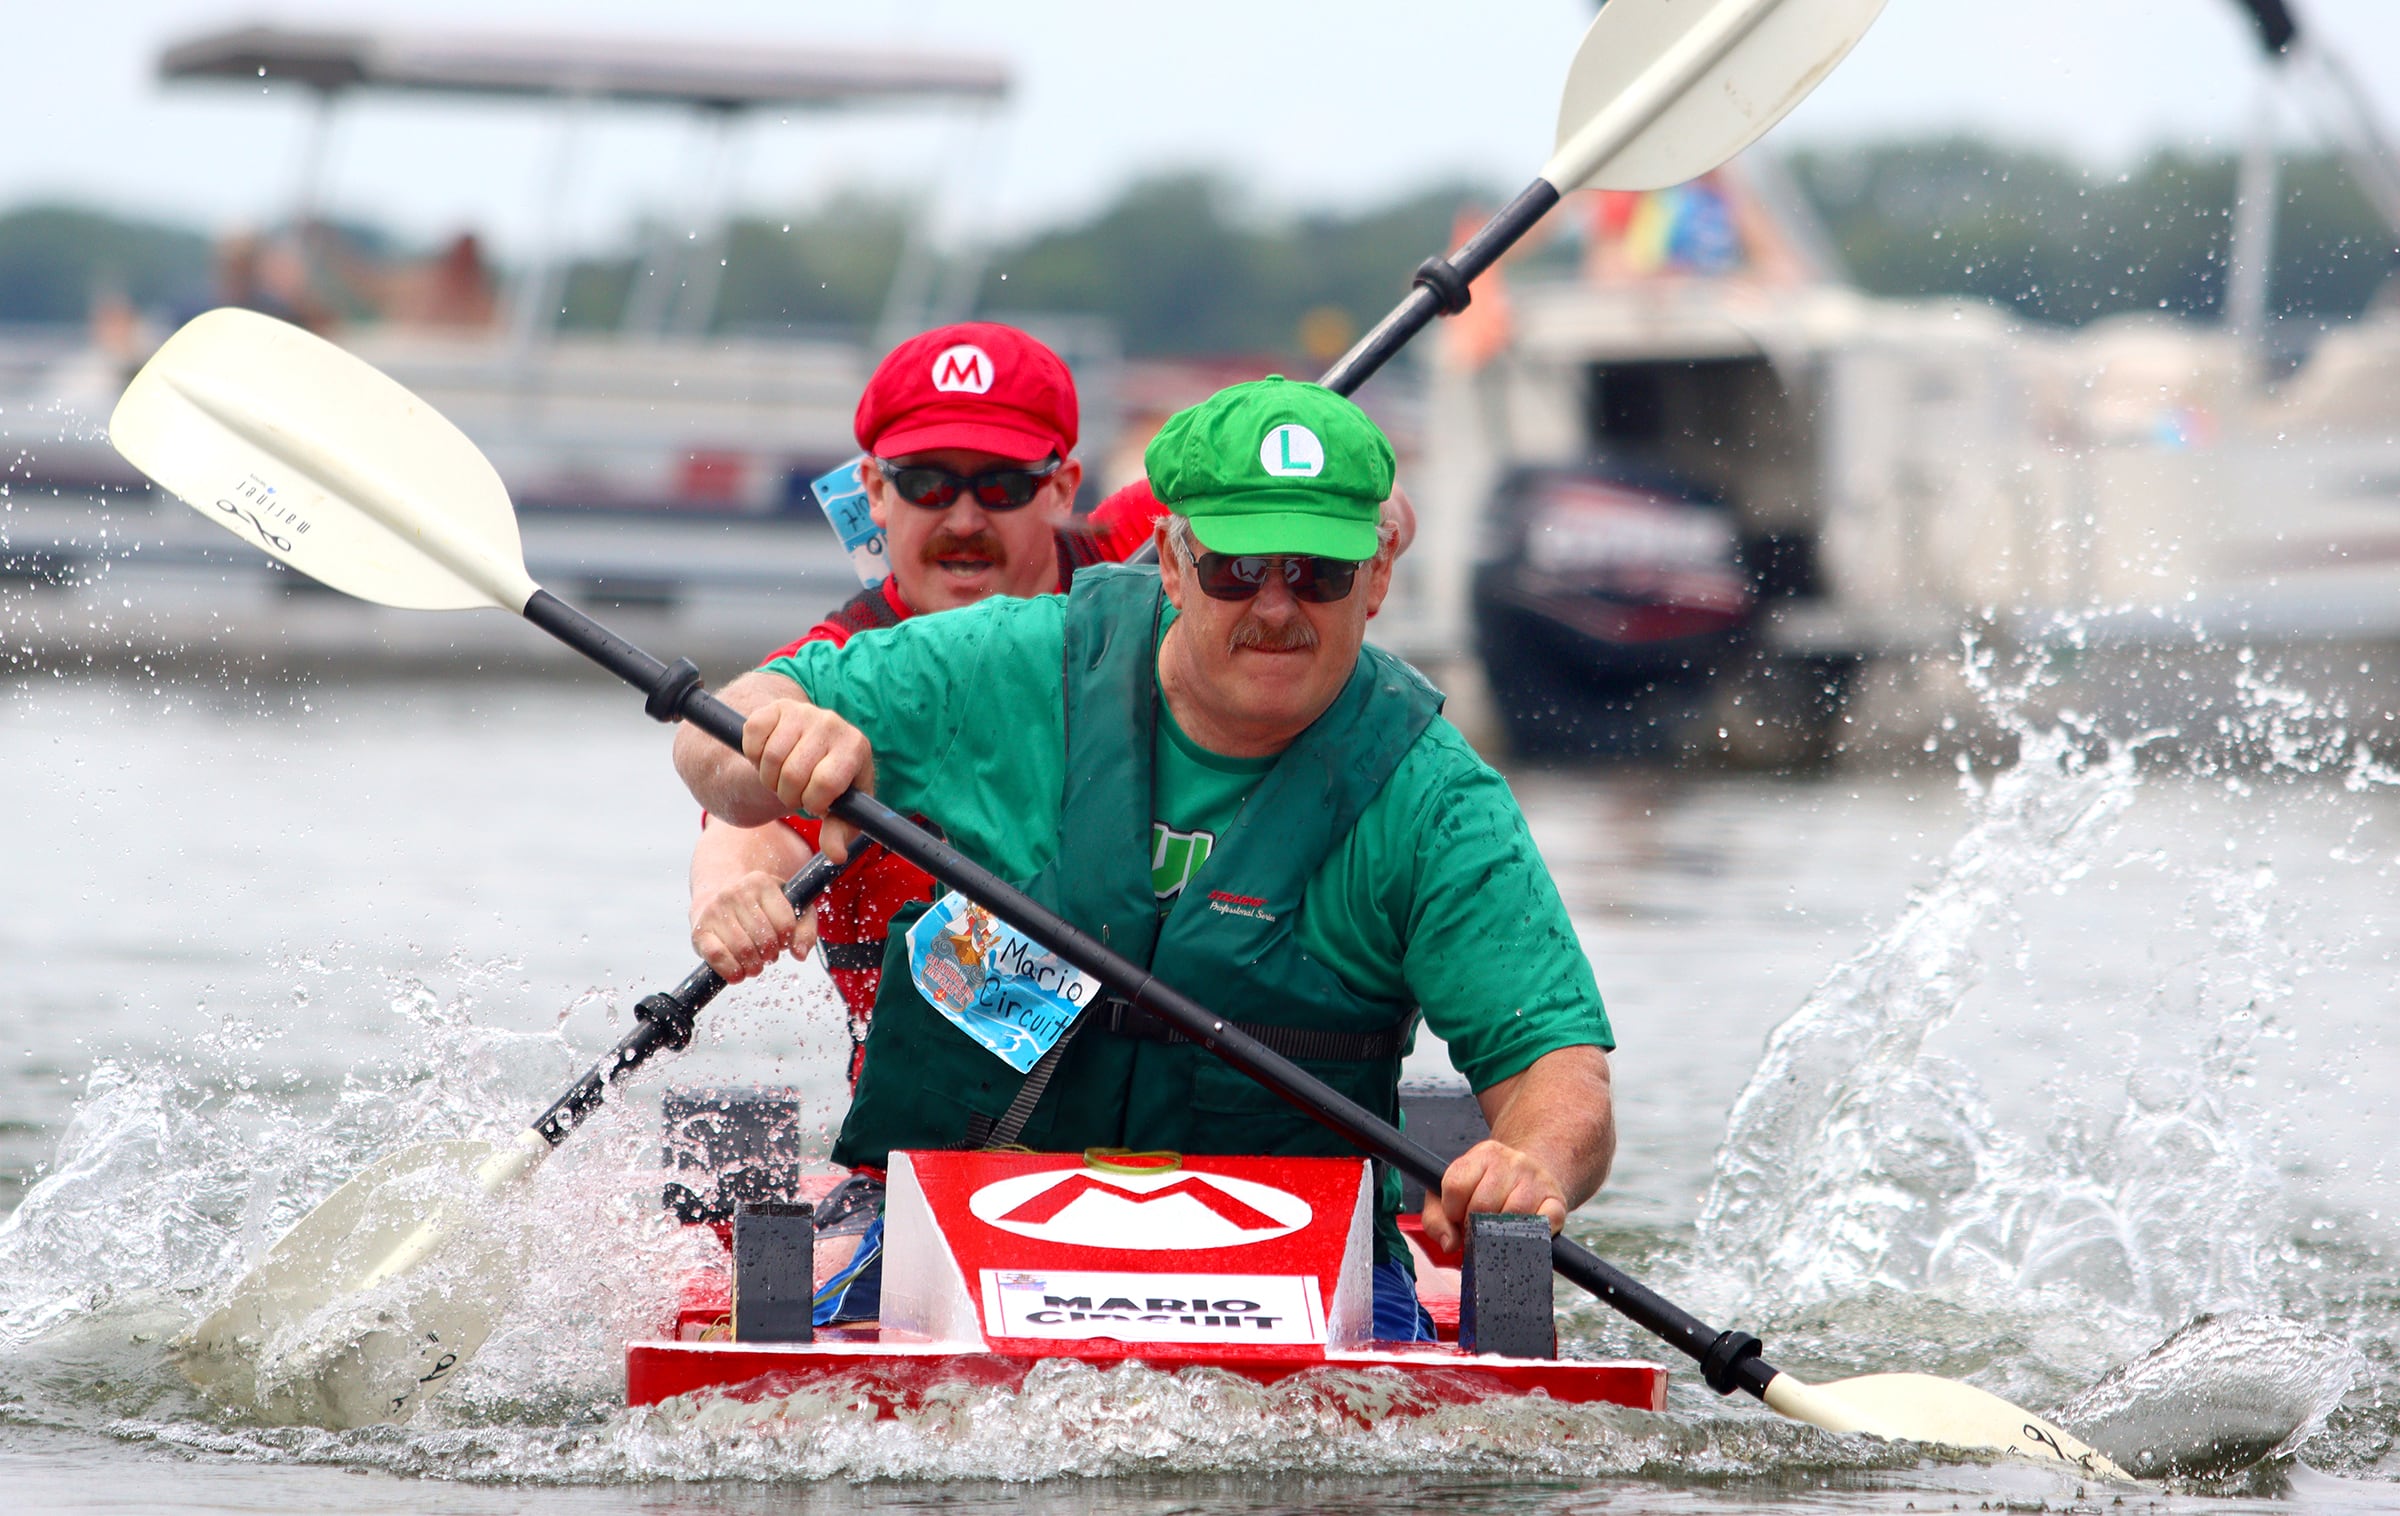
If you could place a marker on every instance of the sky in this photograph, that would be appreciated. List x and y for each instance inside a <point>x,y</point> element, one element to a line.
<point>1316,105</point>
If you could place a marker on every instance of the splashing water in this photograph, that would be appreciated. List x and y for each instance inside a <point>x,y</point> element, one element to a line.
<point>172,1180</point>
<point>1865,1171</point>
<point>2221,1394</point>
<point>543,1401</point>
<point>94,1288</point>
<point>1856,1156</point>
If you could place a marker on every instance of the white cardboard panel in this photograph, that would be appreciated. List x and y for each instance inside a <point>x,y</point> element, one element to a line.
<point>1351,1322</point>
<point>923,1290</point>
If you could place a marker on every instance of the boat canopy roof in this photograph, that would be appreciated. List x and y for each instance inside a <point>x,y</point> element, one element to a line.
<point>724,76</point>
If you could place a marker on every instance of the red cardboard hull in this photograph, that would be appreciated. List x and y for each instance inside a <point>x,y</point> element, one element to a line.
<point>996,1262</point>
<point>895,1378</point>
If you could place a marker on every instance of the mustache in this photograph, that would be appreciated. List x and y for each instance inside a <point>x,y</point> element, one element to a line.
<point>984,544</point>
<point>1294,636</point>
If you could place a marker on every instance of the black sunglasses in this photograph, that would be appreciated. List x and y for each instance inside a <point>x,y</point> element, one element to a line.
<point>996,489</point>
<point>1224,576</point>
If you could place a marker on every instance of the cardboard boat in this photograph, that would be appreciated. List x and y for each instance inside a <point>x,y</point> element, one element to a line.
<point>994,1262</point>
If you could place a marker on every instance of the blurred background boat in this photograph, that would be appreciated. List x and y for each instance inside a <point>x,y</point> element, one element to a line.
<point>662,462</point>
<point>2175,505</point>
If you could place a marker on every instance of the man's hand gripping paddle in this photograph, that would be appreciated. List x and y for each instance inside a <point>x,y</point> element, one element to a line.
<point>339,472</point>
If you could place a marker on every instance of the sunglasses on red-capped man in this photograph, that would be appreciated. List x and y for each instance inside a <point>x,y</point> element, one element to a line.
<point>1227,576</point>
<point>995,489</point>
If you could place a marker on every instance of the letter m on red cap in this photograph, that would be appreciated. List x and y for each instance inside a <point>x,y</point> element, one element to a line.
<point>964,368</point>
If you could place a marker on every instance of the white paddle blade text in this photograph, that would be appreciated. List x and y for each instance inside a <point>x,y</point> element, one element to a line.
<point>311,454</point>
<point>1924,1408</point>
<point>369,1303</point>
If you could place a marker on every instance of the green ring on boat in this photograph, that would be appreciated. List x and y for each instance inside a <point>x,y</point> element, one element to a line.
<point>1127,1161</point>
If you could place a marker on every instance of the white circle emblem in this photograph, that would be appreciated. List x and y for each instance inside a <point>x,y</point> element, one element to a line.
<point>1149,1213</point>
<point>963,369</point>
<point>1292,451</point>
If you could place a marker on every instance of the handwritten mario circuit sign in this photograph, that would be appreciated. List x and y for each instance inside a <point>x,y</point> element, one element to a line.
<point>1170,1212</point>
<point>1153,1307</point>
<point>1013,996</point>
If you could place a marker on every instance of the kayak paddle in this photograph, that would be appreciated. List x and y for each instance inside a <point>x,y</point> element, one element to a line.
<point>1660,91</point>
<point>321,1331</point>
<point>341,473</point>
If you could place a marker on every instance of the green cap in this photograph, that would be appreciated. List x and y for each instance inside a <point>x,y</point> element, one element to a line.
<point>1274,467</point>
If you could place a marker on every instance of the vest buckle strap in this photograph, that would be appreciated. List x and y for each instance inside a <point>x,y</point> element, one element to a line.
<point>1119,1017</point>
<point>853,957</point>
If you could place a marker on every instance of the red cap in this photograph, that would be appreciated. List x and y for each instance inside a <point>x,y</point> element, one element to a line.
<point>976,385</point>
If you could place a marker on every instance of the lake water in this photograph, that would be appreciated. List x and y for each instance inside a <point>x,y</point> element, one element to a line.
<point>2071,1053</point>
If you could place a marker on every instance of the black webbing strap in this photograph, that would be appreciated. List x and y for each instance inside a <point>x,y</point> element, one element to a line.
<point>855,957</point>
<point>1118,1018</point>
<point>1029,1094</point>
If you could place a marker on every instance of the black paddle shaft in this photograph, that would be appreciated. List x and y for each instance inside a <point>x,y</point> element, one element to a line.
<point>1728,1360</point>
<point>1439,287</point>
<point>663,1022</point>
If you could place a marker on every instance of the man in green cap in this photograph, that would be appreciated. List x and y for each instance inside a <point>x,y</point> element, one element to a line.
<point>1204,765</point>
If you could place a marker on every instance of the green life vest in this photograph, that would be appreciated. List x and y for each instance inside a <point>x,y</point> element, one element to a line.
<point>1227,940</point>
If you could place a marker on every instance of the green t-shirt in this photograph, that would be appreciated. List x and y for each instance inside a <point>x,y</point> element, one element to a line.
<point>1196,794</point>
<point>1437,896</point>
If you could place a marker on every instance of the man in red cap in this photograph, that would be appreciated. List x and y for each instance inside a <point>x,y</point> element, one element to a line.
<point>968,431</point>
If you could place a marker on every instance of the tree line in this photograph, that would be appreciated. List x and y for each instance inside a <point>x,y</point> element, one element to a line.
<point>2064,244</point>
<point>1182,266</point>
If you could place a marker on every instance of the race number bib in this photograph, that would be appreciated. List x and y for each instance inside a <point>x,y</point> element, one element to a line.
<point>1011,994</point>
<point>844,498</point>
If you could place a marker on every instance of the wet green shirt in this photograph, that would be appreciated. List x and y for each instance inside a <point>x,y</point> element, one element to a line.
<point>1199,793</point>
<point>1437,896</point>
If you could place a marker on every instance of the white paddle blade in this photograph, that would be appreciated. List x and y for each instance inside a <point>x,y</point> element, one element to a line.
<point>300,448</point>
<point>369,1304</point>
<point>1925,1408</point>
<point>1664,90</point>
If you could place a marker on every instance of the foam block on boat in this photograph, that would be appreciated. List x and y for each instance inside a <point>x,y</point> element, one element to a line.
<point>726,1148</point>
<point>774,1273</point>
<point>1504,1298</point>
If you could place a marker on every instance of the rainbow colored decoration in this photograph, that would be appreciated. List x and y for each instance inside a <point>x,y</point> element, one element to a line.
<point>1688,228</point>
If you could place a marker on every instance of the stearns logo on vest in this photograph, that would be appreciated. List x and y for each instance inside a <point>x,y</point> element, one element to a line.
<point>1170,1212</point>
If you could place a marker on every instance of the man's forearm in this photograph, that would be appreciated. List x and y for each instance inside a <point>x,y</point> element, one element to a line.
<point>1561,1113</point>
<point>726,853</point>
<point>721,779</point>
